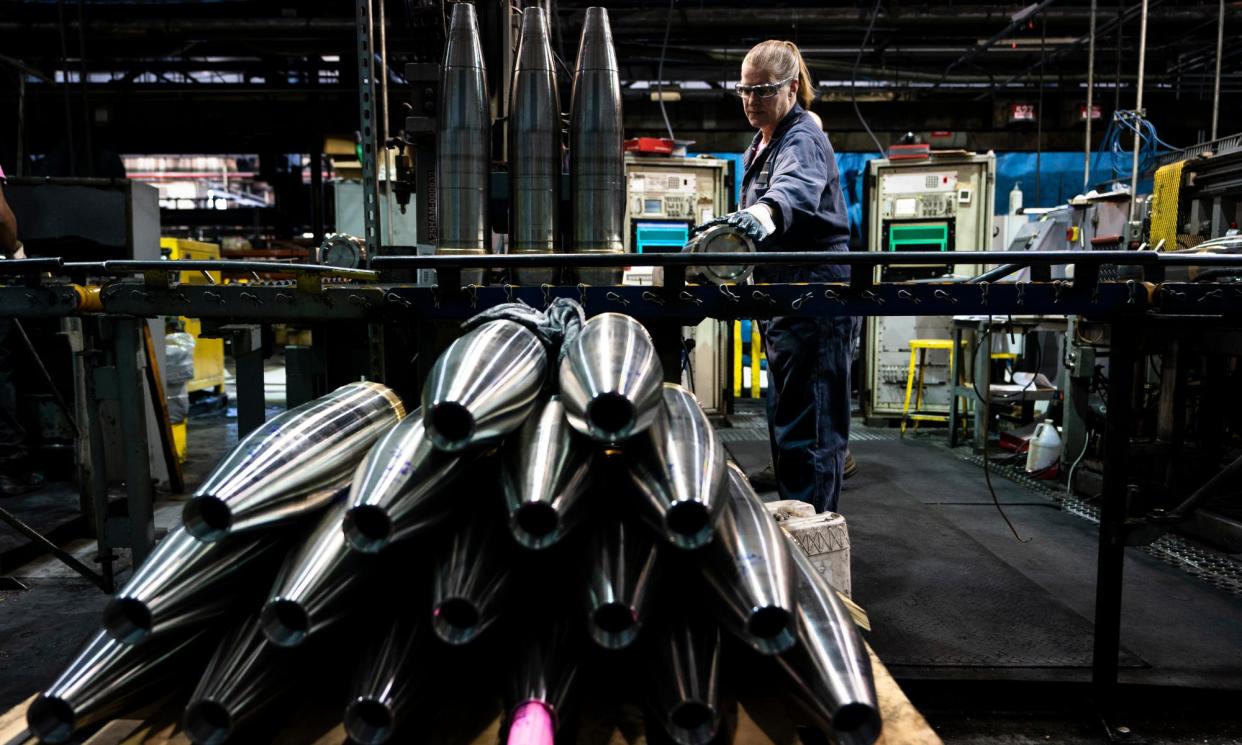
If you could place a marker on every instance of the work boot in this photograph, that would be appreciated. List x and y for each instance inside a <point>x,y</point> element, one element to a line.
<point>850,468</point>
<point>16,485</point>
<point>764,479</point>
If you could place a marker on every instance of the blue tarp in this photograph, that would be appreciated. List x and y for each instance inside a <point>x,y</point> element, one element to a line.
<point>1060,179</point>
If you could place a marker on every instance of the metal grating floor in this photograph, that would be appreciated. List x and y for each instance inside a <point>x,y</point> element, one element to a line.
<point>1198,560</point>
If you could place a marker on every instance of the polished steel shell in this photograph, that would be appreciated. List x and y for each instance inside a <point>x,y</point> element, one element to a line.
<point>386,683</point>
<point>681,477</point>
<point>684,661</point>
<point>610,379</point>
<point>182,583</point>
<point>484,385</point>
<point>311,588</point>
<point>400,489</point>
<point>463,140</point>
<point>544,471</point>
<point>534,148</point>
<point>750,570</point>
<point>622,572</point>
<point>545,668</point>
<point>468,582</point>
<point>106,677</point>
<point>596,151</point>
<point>830,667</point>
<point>245,675</point>
<point>294,464</point>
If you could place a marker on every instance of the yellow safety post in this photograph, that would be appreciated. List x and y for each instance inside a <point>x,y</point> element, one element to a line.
<point>756,350</point>
<point>737,360</point>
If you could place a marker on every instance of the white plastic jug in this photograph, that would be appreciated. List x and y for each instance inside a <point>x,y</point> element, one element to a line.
<point>1015,199</point>
<point>1045,447</point>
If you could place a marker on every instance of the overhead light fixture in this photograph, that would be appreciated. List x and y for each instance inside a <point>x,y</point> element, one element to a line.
<point>668,94</point>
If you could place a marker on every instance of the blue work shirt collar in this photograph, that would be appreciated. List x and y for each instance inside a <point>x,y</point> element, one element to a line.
<point>794,114</point>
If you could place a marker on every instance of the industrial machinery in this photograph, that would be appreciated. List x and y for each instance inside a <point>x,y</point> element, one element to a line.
<point>941,204</point>
<point>665,198</point>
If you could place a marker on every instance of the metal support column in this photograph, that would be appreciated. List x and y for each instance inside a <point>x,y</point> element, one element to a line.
<point>1123,354</point>
<point>302,374</point>
<point>368,127</point>
<point>131,400</point>
<point>248,356</point>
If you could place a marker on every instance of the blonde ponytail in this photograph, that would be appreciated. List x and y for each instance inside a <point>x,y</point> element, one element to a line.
<point>783,60</point>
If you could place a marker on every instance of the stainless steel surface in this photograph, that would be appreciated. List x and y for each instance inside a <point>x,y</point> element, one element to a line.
<point>534,148</point>
<point>684,665</point>
<point>596,149</point>
<point>402,488</point>
<point>610,379</point>
<point>311,588</point>
<point>463,141</point>
<point>294,464</point>
<point>623,569</point>
<point>722,239</point>
<point>681,475</point>
<point>546,665</point>
<point>386,681</point>
<point>245,675</point>
<point>830,667</point>
<point>751,572</point>
<point>469,580</point>
<point>106,677</point>
<point>544,471</point>
<point>180,583</point>
<point>484,385</point>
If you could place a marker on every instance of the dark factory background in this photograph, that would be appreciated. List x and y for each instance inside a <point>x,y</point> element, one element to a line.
<point>352,394</point>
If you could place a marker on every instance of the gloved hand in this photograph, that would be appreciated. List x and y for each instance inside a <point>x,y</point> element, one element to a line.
<point>750,225</point>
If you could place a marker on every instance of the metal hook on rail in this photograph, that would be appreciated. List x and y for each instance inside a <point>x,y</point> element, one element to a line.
<point>616,298</point>
<point>802,300</point>
<point>651,297</point>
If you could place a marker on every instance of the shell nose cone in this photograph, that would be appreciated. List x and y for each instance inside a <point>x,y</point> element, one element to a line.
<point>463,48</point>
<point>595,50</point>
<point>535,51</point>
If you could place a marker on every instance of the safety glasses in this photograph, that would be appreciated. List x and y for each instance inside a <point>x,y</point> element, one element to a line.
<point>764,90</point>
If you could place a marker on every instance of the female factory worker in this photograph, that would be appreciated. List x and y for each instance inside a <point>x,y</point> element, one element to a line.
<point>791,201</point>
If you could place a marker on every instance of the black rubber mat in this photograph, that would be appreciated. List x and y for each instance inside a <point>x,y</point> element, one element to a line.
<point>938,598</point>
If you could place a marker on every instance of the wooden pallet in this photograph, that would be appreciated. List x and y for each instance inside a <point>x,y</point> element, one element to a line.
<point>757,724</point>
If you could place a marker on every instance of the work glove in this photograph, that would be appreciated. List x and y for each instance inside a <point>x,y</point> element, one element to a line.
<point>755,222</point>
<point>748,223</point>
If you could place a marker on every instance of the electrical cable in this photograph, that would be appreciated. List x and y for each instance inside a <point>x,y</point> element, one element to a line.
<point>668,25</point>
<point>987,404</point>
<point>854,80</point>
<point>1069,480</point>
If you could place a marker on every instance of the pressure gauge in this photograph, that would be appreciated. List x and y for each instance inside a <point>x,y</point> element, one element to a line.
<point>342,250</point>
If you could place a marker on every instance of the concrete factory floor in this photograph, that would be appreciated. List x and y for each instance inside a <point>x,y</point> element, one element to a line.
<point>990,637</point>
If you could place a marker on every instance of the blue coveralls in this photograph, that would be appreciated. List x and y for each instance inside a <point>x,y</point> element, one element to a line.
<point>808,358</point>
